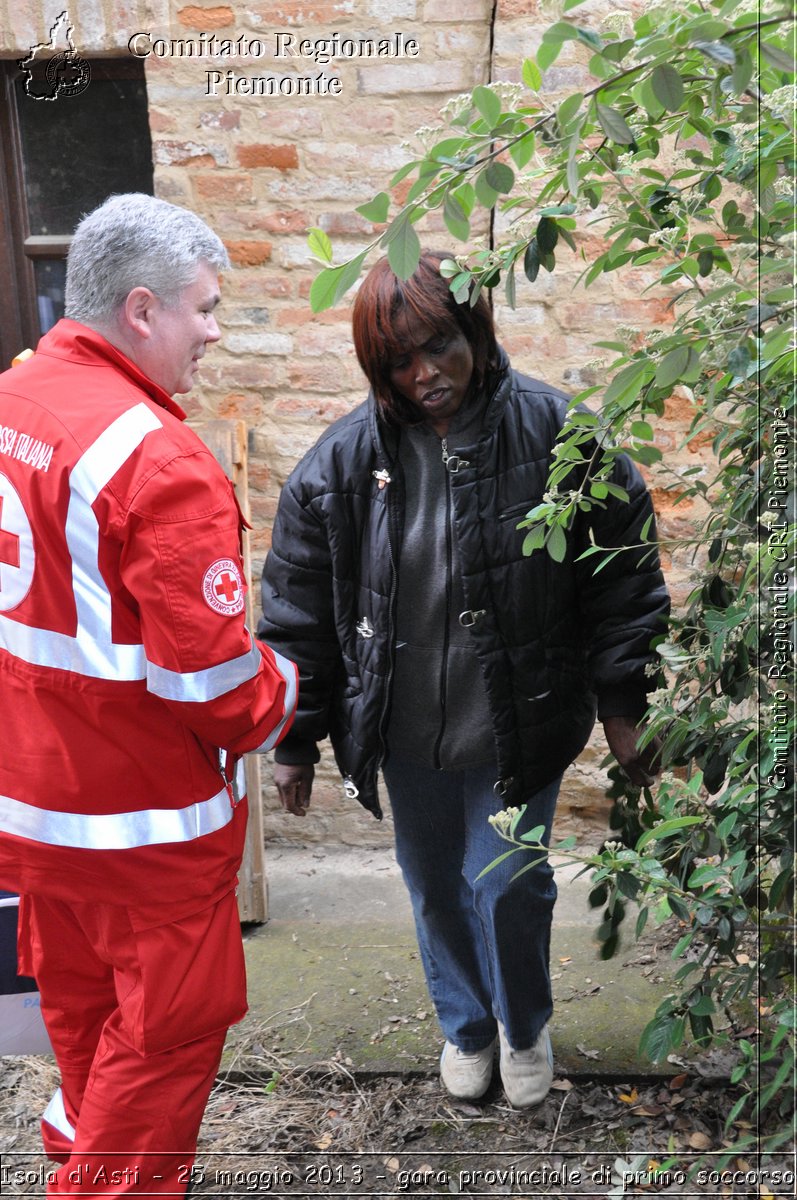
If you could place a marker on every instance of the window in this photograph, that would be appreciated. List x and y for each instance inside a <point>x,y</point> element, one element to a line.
<point>59,159</point>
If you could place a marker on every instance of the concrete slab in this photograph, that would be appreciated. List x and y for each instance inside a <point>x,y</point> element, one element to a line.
<point>335,975</point>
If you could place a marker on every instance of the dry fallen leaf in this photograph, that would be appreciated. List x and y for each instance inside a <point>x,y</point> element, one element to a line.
<point>700,1141</point>
<point>677,1082</point>
<point>392,1164</point>
<point>647,1110</point>
<point>629,1097</point>
<point>561,1085</point>
<point>324,1142</point>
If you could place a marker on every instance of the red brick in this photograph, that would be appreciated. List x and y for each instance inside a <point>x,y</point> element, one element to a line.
<point>317,378</point>
<point>220,120</point>
<point>302,316</point>
<point>160,122</point>
<point>224,186</point>
<point>300,12</point>
<point>195,17</point>
<point>182,154</point>
<point>341,223</point>
<point>249,254</point>
<point>287,221</point>
<point>284,158</point>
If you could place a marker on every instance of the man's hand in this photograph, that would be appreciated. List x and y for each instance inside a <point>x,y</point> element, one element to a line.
<point>294,784</point>
<point>622,734</point>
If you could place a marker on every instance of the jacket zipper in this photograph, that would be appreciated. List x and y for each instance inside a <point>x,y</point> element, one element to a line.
<point>392,521</point>
<point>446,632</point>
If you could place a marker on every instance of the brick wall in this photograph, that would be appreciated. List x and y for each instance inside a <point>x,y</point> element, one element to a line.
<point>263,168</point>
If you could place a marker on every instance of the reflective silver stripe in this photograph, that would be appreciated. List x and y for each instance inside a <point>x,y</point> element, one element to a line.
<point>208,684</point>
<point>115,831</point>
<point>55,1115</point>
<point>91,651</point>
<point>288,673</point>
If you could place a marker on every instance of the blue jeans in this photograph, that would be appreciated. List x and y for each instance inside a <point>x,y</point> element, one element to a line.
<point>484,943</point>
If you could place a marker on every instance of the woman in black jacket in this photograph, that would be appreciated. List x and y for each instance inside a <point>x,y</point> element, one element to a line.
<point>429,646</point>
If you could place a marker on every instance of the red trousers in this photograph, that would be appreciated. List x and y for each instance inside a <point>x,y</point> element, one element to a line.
<point>137,1020</point>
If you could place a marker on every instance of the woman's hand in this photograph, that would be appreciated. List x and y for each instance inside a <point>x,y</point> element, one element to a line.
<point>623,734</point>
<point>294,785</point>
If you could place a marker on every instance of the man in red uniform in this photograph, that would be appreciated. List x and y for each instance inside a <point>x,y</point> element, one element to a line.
<point>129,689</point>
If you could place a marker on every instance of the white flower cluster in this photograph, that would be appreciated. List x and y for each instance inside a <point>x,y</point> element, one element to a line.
<point>618,22</point>
<point>510,94</point>
<point>783,101</point>
<point>427,135</point>
<point>501,821</point>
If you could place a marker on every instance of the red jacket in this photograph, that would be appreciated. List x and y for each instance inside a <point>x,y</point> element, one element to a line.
<point>125,662</point>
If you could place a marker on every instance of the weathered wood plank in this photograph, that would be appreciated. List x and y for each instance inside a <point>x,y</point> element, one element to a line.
<point>226,439</point>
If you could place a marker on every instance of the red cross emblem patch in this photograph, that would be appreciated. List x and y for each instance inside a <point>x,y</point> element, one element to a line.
<point>17,557</point>
<point>223,587</point>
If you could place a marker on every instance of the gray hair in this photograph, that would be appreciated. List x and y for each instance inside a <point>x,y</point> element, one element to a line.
<point>135,240</point>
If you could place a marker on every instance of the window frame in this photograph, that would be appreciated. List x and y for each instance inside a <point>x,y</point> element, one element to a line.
<point>19,249</point>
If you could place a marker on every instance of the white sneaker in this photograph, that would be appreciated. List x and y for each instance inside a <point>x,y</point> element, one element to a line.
<point>526,1074</point>
<point>466,1075</point>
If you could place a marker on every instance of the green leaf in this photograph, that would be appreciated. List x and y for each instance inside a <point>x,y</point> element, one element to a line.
<point>531,75</point>
<point>319,244</point>
<point>375,210</point>
<point>556,545</point>
<point>547,235</point>
<point>573,177</point>
<point>720,52</point>
<point>627,383</point>
<point>703,1008</point>
<point>614,124</point>
<point>404,249</point>
<point>778,58</point>
<point>509,287</point>
<point>664,829</point>
<point>642,921</point>
<point>548,54</point>
<point>522,150</point>
<point>402,173</point>
<point>333,282</point>
<point>531,261</point>
<point>485,194</point>
<point>561,31</point>
<point>643,431</point>
<point>660,1036</point>
<point>568,109</point>
<point>500,177</point>
<point>589,38</point>
<point>672,366</point>
<point>742,72</point>
<point>488,104</point>
<point>466,195</point>
<point>456,221</point>
<point>668,87</point>
<point>534,540</point>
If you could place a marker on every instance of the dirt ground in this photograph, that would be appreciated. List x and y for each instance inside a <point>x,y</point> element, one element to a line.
<point>272,1130</point>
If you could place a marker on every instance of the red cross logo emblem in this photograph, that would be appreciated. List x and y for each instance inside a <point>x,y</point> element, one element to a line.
<point>226,587</point>
<point>16,548</point>
<point>223,587</point>
<point>9,546</point>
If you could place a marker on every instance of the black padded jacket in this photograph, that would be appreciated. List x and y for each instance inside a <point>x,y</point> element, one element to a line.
<point>554,640</point>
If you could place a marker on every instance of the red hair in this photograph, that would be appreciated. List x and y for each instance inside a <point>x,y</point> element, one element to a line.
<point>378,338</point>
